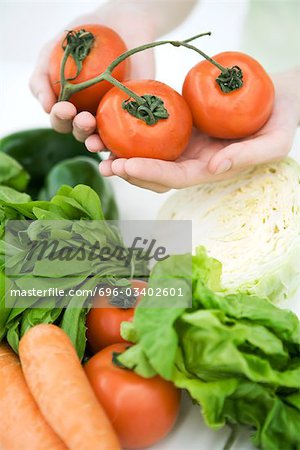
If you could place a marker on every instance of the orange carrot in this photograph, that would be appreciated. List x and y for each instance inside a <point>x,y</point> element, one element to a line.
<point>62,391</point>
<point>22,426</point>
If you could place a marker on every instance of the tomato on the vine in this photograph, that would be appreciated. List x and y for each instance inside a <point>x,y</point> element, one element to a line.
<point>106,47</point>
<point>229,115</point>
<point>105,317</point>
<point>142,410</point>
<point>128,136</point>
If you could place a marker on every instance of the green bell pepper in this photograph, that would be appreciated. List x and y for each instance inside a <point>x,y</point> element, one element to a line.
<point>81,170</point>
<point>38,150</point>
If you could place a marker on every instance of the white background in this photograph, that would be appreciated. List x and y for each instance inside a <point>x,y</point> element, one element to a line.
<point>25,27</point>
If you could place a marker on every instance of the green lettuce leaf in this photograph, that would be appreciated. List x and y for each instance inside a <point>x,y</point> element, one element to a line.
<point>237,355</point>
<point>12,173</point>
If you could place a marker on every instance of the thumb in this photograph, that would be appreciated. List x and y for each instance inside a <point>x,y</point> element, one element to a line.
<point>39,82</point>
<point>259,150</point>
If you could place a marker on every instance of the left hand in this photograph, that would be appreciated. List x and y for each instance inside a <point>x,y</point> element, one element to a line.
<point>207,159</point>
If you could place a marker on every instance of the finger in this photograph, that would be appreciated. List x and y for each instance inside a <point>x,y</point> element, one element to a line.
<point>170,174</point>
<point>271,143</point>
<point>84,124</point>
<point>39,82</point>
<point>259,150</point>
<point>94,144</point>
<point>62,116</point>
<point>118,167</point>
<point>41,89</point>
<point>105,168</point>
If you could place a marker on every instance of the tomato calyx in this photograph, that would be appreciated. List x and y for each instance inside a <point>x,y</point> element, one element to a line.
<point>78,44</point>
<point>123,300</point>
<point>151,111</point>
<point>230,79</point>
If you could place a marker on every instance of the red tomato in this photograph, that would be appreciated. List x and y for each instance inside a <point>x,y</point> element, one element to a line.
<point>127,136</point>
<point>107,46</point>
<point>104,320</point>
<point>233,115</point>
<point>142,410</point>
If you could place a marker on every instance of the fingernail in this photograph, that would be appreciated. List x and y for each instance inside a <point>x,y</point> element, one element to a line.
<point>118,166</point>
<point>101,167</point>
<point>224,166</point>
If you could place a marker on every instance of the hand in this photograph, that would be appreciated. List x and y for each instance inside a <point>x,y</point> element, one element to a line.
<point>208,160</point>
<point>63,115</point>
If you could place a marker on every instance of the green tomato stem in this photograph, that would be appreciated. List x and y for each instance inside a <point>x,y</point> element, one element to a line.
<point>230,78</point>
<point>108,77</point>
<point>141,48</point>
<point>68,89</point>
<point>204,55</point>
<point>76,44</point>
<point>63,82</point>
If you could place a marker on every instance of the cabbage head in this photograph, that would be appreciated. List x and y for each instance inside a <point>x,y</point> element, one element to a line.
<point>251,224</point>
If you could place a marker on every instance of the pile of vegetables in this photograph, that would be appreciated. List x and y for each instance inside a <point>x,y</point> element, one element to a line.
<point>234,352</point>
<point>47,379</point>
<point>26,420</point>
<point>237,355</point>
<point>251,224</point>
